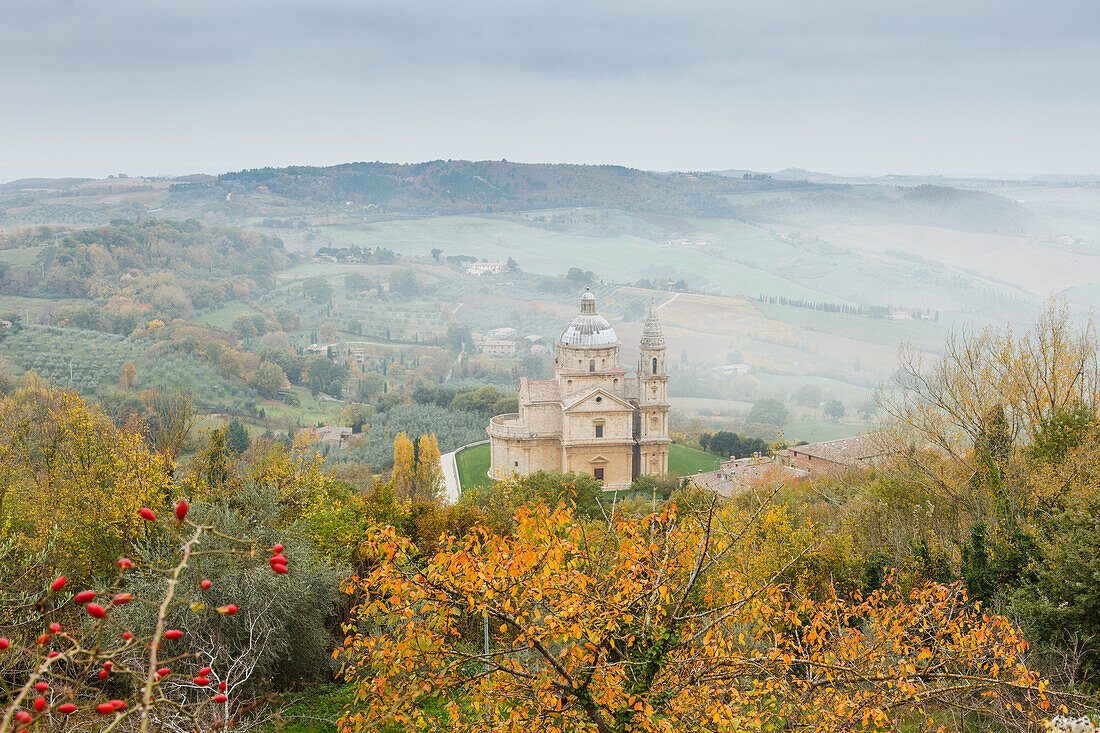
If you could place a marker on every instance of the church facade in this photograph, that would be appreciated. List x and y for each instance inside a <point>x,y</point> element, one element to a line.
<point>592,417</point>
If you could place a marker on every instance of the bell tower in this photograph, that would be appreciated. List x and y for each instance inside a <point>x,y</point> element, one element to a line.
<point>653,403</point>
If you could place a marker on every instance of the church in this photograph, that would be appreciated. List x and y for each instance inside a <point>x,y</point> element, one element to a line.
<point>592,417</point>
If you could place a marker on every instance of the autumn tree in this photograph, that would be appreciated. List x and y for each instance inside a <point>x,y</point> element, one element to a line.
<point>404,468</point>
<point>169,420</point>
<point>429,472</point>
<point>268,379</point>
<point>646,625</point>
<point>127,375</point>
<point>71,482</point>
<point>964,423</point>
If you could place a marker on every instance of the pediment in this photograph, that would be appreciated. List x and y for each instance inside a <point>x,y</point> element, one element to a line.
<point>592,396</point>
<point>598,460</point>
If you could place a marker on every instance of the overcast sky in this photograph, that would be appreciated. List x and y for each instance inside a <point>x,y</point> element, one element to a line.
<point>973,87</point>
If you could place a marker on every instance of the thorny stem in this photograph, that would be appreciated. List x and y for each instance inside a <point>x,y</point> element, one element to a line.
<point>162,613</point>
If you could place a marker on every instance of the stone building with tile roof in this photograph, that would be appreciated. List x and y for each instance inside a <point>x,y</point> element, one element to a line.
<point>593,417</point>
<point>837,456</point>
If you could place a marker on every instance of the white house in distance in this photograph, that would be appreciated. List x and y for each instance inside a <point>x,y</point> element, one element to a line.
<point>486,268</point>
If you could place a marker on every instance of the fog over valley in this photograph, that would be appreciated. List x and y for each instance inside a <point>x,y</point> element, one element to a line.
<point>538,367</point>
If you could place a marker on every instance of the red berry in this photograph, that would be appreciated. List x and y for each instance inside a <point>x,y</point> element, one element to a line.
<point>125,563</point>
<point>181,511</point>
<point>58,584</point>
<point>278,558</point>
<point>118,704</point>
<point>121,598</point>
<point>66,709</point>
<point>104,674</point>
<point>52,655</point>
<point>280,569</point>
<point>41,686</point>
<point>201,681</point>
<point>147,514</point>
<point>228,610</point>
<point>5,642</point>
<point>277,549</point>
<point>173,634</point>
<point>105,708</point>
<point>222,685</point>
<point>108,665</point>
<point>84,596</point>
<point>163,672</point>
<point>206,584</point>
<point>39,704</point>
<point>205,671</point>
<point>24,717</point>
<point>43,640</point>
<point>96,611</point>
<point>55,628</point>
<point>126,635</point>
<point>220,698</point>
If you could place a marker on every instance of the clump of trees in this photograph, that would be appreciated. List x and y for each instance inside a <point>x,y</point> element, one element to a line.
<point>732,445</point>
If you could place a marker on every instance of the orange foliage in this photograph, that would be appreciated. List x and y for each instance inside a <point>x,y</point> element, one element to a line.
<point>647,625</point>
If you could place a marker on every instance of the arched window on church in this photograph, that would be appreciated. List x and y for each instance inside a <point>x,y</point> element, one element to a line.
<point>655,365</point>
<point>591,365</point>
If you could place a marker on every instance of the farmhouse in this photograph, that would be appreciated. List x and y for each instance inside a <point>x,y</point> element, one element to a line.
<point>331,434</point>
<point>837,456</point>
<point>485,268</point>
<point>592,417</point>
<point>738,474</point>
<point>494,347</point>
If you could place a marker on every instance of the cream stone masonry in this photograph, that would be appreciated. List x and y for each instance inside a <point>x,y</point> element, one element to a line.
<point>592,417</point>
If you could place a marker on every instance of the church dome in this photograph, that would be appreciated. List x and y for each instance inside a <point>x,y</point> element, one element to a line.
<point>588,328</point>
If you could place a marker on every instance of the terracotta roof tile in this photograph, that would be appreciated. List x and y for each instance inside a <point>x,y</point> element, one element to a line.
<point>847,451</point>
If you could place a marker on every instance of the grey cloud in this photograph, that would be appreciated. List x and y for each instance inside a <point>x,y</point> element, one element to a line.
<point>678,72</point>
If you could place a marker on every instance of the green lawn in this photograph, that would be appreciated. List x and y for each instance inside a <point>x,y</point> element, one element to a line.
<point>685,461</point>
<point>473,466</point>
<point>816,431</point>
<point>223,316</point>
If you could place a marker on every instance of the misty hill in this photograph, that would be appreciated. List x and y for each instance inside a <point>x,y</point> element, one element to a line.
<point>56,262</point>
<point>456,187</point>
<point>927,205</point>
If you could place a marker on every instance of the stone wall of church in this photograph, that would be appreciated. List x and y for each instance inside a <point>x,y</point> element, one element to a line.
<point>588,358</point>
<point>617,464</point>
<point>523,456</point>
<point>580,425</point>
<point>542,418</point>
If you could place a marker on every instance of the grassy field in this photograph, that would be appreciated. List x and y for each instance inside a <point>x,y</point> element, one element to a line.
<point>223,317</point>
<point>473,466</point>
<point>617,256</point>
<point>815,431</point>
<point>685,461</point>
